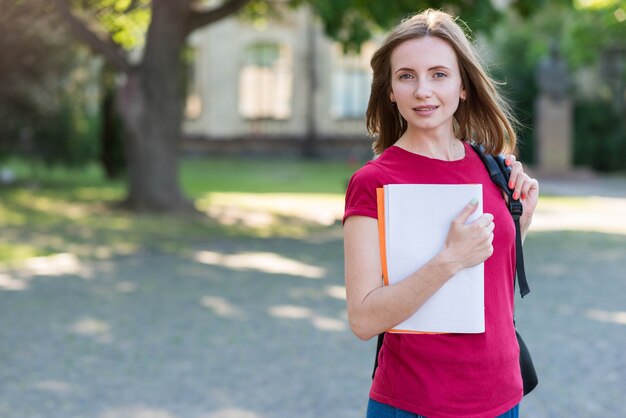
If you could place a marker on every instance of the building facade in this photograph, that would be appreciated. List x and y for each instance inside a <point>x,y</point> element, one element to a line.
<point>278,86</point>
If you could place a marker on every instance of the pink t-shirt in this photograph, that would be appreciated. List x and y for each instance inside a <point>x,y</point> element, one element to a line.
<point>449,375</point>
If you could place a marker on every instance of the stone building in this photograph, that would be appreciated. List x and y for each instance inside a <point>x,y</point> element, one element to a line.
<point>282,86</point>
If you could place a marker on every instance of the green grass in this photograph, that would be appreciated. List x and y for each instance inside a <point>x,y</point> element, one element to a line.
<point>264,176</point>
<point>51,211</point>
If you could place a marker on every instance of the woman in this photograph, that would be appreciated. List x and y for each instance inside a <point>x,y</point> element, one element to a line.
<point>430,97</point>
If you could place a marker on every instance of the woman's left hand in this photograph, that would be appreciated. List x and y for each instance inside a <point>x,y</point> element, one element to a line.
<point>525,188</point>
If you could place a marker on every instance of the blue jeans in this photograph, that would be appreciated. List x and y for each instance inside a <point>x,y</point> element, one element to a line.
<point>380,410</point>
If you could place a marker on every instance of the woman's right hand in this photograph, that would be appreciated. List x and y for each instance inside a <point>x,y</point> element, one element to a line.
<point>469,244</point>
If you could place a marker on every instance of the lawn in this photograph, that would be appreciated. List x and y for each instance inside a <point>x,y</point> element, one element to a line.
<point>59,211</point>
<point>55,211</point>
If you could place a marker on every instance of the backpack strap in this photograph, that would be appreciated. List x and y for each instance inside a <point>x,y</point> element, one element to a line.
<point>379,345</point>
<point>499,173</point>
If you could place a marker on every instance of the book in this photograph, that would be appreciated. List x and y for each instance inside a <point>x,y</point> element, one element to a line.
<point>414,220</point>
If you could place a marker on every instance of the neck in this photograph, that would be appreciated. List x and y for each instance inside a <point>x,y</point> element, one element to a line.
<point>440,147</point>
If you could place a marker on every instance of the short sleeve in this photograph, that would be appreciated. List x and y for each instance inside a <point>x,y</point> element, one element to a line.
<point>361,192</point>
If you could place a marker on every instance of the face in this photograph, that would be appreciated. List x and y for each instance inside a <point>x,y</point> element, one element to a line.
<point>426,83</point>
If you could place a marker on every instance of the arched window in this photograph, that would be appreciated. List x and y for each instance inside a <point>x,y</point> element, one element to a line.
<point>265,82</point>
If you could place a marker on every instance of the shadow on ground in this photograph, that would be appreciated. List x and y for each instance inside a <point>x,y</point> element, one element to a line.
<point>256,328</point>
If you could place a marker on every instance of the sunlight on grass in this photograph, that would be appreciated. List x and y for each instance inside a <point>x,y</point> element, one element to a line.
<point>71,211</point>
<point>268,210</point>
<point>47,266</point>
<point>12,217</point>
<point>265,176</point>
<point>13,251</point>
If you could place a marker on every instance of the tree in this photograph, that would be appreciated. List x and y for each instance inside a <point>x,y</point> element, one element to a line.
<point>150,100</point>
<point>27,60</point>
<point>592,38</point>
<point>44,103</point>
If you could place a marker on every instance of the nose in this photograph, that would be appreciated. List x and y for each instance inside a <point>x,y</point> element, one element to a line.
<point>423,90</point>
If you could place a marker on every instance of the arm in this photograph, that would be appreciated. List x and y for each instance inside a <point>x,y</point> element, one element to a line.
<point>525,188</point>
<point>374,308</point>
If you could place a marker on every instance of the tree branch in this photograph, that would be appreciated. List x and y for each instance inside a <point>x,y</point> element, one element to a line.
<point>112,54</point>
<point>203,18</point>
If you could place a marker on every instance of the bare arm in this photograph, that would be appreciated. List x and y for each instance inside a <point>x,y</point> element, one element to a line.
<point>374,308</point>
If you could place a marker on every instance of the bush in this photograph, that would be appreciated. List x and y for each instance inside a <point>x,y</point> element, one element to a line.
<point>599,137</point>
<point>69,136</point>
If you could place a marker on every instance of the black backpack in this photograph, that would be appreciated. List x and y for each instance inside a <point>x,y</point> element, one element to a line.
<point>499,173</point>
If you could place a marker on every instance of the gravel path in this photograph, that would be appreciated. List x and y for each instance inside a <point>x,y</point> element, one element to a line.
<point>257,328</point>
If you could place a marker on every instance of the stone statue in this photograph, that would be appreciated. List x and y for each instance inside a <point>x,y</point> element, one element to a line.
<point>552,76</point>
<point>553,115</point>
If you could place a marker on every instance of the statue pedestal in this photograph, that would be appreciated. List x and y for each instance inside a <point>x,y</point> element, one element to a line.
<point>553,139</point>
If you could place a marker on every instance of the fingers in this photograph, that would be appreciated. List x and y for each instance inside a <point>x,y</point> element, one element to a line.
<point>528,186</point>
<point>490,226</point>
<point>471,243</point>
<point>486,227</point>
<point>467,211</point>
<point>520,182</point>
<point>510,159</point>
<point>483,236</point>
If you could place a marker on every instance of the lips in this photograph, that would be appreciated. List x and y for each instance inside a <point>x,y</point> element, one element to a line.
<point>425,108</point>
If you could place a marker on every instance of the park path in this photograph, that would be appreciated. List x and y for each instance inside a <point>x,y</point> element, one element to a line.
<point>256,328</point>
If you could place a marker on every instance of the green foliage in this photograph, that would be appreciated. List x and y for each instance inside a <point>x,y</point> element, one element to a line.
<point>125,20</point>
<point>518,46</point>
<point>600,137</point>
<point>583,35</point>
<point>594,30</point>
<point>352,22</point>
<point>68,136</point>
<point>33,57</point>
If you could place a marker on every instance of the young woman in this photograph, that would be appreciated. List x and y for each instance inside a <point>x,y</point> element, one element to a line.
<point>430,98</point>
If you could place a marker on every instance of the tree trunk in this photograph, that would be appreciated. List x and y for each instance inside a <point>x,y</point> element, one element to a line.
<point>151,103</point>
<point>111,141</point>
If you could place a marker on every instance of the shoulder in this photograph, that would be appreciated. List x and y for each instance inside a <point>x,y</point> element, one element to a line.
<point>361,193</point>
<point>374,171</point>
<point>370,173</point>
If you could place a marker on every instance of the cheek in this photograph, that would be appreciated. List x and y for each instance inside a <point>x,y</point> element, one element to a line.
<point>400,91</point>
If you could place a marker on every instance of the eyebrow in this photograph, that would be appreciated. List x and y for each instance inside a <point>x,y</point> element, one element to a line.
<point>436,67</point>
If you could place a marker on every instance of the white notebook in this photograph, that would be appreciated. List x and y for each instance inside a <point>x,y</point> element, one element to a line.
<point>416,219</point>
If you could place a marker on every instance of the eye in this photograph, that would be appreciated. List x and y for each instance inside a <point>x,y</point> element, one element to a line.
<point>440,74</point>
<point>405,76</point>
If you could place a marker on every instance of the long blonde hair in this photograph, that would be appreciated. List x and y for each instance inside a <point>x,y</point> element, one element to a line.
<point>483,118</point>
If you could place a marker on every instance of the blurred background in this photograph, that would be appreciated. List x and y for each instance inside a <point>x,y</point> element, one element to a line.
<point>171,192</point>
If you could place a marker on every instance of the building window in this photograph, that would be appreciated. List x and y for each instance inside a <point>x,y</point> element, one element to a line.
<point>350,84</point>
<point>265,82</point>
<point>350,93</point>
<point>193,102</point>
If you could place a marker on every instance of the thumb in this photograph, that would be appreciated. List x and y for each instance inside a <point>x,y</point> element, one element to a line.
<point>467,211</point>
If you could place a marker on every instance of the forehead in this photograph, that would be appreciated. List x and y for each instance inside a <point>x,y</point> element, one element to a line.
<point>423,52</point>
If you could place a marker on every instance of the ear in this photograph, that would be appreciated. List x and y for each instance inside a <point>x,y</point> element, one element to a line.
<point>463,95</point>
<point>392,97</point>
